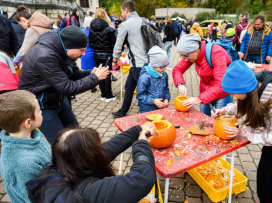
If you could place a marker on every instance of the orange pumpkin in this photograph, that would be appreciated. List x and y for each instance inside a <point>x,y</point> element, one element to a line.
<point>178,103</point>
<point>144,201</point>
<point>220,123</point>
<point>123,54</point>
<point>154,117</point>
<point>199,130</point>
<point>165,134</point>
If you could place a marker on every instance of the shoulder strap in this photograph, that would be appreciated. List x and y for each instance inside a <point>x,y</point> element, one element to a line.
<point>130,52</point>
<point>208,53</point>
<point>146,159</point>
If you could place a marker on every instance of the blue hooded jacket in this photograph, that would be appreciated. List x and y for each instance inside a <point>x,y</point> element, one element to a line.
<point>227,41</point>
<point>177,27</point>
<point>149,89</point>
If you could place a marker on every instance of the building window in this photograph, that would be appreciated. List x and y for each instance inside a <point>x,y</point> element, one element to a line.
<point>84,3</point>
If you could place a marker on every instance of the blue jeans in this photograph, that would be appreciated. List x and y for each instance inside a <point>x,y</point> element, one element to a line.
<point>167,46</point>
<point>146,108</point>
<point>217,104</point>
<point>55,120</point>
<point>256,58</point>
<point>214,38</point>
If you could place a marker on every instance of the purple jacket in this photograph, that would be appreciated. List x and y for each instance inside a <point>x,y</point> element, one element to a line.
<point>238,31</point>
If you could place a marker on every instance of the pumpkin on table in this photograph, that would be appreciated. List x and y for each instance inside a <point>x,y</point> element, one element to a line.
<point>199,130</point>
<point>178,103</point>
<point>154,117</point>
<point>220,123</point>
<point>165,134</point>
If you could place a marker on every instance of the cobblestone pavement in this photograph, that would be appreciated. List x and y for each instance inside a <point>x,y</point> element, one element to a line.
<point>91,112</point>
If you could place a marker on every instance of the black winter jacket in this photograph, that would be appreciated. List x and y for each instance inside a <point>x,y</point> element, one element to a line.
<point>48,73</point>
<point>18,29</point>
<point>128,188</point>
<point>169,33</point>
<point>102,39</point>
<point>8,39</point>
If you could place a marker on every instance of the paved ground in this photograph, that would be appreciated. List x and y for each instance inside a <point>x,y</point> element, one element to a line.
<point>91,112</point>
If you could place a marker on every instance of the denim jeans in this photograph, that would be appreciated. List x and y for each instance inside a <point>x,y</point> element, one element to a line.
<point>255,58</point>
<point>54,120</point>
<point>167,46</point>
<point>217,104</point>
<point>214,38</point>
<point>130,86</point>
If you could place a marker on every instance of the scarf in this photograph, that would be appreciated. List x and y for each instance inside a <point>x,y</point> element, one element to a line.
<point>152,72</point>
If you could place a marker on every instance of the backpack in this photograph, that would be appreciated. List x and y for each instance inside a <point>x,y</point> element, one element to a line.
<point>230,49</point>
<point>151,35</point>
<point>243,33</point>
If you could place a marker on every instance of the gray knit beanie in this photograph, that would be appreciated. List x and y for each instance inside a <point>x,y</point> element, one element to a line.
<point>157,57</point>
<point>188,43</point>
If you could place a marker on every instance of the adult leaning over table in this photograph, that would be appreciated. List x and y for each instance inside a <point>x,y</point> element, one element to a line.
<point>192,51</point>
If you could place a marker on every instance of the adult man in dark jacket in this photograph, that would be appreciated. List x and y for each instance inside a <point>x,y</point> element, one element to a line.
<point>177,27</point>
<point>18,29</point>
<point>50,72</point>
<point>8,39</point>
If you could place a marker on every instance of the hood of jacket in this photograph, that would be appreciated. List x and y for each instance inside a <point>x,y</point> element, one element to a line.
<point>226,40</point>
<point>195,26</point>
<point>39,22</point>
<point>13,20</point>
<point>98,24</point>
<point>52,40</point>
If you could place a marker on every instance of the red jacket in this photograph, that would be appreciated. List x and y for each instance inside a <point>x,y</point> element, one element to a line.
<point>210,78</point>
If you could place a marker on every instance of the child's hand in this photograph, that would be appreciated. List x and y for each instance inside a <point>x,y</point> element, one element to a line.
<point>234,131</point>
<point>159,103</point>
<point>166,103</point>
<point>218,112</point>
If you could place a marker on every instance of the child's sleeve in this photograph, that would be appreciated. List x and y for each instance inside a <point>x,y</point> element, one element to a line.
<point>167,92</point>
<point>257,136</point>
<point>142,91</point>
<point>231,108</point>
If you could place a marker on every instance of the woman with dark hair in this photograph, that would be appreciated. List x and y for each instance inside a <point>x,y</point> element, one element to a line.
<point>74,19</point>
<point>169,36</point>
<point>243,25</point>
<point>66,21</point>
<point>81,169</point>
<point>35,25</point>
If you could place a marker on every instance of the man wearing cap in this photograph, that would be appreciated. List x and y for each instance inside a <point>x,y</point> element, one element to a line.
<point>152,89</point>
<point>50,72</point>
<point>192,51</point>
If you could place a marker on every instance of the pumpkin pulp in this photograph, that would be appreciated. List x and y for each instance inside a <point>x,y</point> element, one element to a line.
<point>161,125</point>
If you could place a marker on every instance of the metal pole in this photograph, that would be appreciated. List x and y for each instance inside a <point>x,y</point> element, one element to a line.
<point>167,10</point>
<point>166,190</point>
<point>121,160</point>
<point>231,176</point>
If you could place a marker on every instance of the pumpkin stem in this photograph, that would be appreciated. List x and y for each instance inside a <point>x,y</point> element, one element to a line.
<point>201,126</point>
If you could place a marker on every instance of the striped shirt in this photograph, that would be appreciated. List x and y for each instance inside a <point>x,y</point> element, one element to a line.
<point>259,135</point>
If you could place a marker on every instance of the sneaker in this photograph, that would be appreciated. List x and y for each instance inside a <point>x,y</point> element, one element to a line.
<point>117,114</point>
<point>103,98</point>
<point>110,98</point>
<point>94,90</point>
<point>114,78</point>
<point>73,97</point>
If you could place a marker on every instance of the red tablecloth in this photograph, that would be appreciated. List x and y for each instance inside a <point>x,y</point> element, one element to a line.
<point>265,66</point>
<point>186,153</point>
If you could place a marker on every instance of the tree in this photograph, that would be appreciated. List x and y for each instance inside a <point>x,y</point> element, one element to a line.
<point>268,13</point>
<point>176,14</point>
<point>203,16</point>
<point>256,7</point>
<point>244,7</point>
<point>145,8</point>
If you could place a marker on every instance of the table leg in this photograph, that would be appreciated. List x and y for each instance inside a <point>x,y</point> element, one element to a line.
<point>121,71</point>
<point>166,190</point>
<point>121,161</point>
<point>231,176</point>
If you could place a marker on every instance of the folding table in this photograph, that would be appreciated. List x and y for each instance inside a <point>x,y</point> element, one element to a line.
<point>192,150</point>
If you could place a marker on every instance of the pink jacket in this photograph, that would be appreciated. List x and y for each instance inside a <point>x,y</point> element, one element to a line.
<point>238,31</point>
<point>210,78</point>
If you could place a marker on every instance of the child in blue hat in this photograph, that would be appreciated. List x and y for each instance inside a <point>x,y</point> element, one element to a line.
<point>152,88</point>
<point>254,99</point>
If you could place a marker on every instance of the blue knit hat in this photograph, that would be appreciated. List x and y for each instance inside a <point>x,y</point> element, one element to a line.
<point>239,78</point>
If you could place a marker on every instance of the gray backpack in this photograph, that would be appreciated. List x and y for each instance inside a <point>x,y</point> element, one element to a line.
<point>151,35</point>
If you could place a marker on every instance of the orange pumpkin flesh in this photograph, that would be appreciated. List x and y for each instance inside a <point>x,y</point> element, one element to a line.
<point>178,103</point>
<point>154,117</point>
<point>220,123</point>
<point>165,134</point>
<point>199,130</point>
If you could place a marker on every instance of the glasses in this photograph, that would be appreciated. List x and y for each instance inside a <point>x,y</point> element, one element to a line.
<point>185,57</point>
<point>162,67</point>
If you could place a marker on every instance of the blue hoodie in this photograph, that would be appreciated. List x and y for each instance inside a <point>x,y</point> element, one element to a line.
<point>149,89</point>
<point>177,27</point>
<point>227,41</point>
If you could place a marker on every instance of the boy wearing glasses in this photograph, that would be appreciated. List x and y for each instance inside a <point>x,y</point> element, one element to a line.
<point>152,88</point>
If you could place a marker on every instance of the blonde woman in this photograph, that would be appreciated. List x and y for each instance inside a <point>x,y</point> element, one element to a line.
<point>102,40</point>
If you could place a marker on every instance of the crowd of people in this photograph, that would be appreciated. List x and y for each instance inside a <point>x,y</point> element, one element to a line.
<point>32,171</point>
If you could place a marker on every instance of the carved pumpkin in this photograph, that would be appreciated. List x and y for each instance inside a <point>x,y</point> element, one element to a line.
<point>144,201</point>
<point>154,117</point>
<point>165,134</point>
<point>199,130</point>
<point>178,103</point>
<point>220,123</point>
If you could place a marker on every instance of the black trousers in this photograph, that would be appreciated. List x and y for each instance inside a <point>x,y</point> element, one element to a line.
<point>105,85</point>
<point>177,36</point>
<point>264,176</point>
<point>130,86</point>
<point>238,47</point>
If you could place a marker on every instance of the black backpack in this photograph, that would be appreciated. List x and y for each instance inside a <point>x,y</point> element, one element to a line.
<point>151,35</point>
